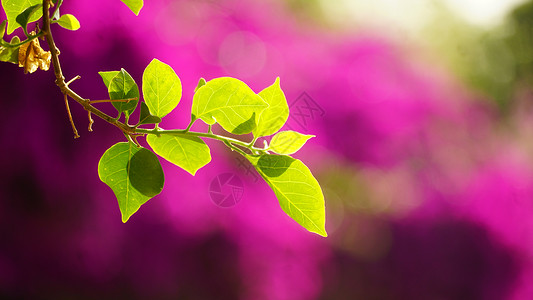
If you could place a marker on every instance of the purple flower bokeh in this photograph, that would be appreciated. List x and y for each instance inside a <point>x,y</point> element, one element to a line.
<point>428,195</point>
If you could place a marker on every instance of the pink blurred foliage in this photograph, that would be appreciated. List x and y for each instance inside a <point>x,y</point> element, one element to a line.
<point>388,107</point>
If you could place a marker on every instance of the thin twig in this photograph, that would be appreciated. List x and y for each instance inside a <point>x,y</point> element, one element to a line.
<point>8,45</point>
<point>190,125</point>
<point>135,136</point>
<point>235,148</point>
<point>72,80</point>
<point>76,135</point>
<point>91,121</point>
<point>60,79</point>
<point>112,100</point>
<point>131,132</point>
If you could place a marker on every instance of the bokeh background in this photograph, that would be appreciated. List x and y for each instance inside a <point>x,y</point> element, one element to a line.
<point>424,122</point>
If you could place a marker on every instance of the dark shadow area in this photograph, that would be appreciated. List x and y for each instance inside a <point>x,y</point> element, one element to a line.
<point>246,126</point>
<point>274,165</point>
<point>145,173</point>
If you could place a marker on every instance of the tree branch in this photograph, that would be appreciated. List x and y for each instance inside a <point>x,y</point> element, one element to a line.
<point>131,132</point>
<point>60,79</point>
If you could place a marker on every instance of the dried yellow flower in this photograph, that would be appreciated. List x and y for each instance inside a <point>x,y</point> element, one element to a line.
<point>33,57</point>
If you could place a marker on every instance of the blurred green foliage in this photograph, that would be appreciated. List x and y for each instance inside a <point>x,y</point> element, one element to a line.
<point>498,62</point>
<point>308,12</point>
<point>521,41</point>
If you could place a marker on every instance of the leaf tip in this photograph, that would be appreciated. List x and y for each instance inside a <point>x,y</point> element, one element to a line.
<point>125,218</point>
<point>201,83</point>
<point>320,230</point>
<point>134,5</point>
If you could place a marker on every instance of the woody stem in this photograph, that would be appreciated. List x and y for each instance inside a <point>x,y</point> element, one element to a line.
<point>60,79</point>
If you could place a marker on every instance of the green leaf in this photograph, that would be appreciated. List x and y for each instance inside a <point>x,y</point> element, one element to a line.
<point>228,102</point>
<point>134,5</point>
<point>275,116</point>
<point>107,76</point>
<point>122,86</point>
<point>133,173</point>
<point>298,192</point>
<point>24,17</point>
<point>69,22</point>
<point>10,54</point>
<point>200,84</point>
<point>188,153</point>
<point>146,117</point>
<point>57,15</point>
<point>13,8</point>
<point>161,88</point>
<point>3,29</point>
<point>288,142</point>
